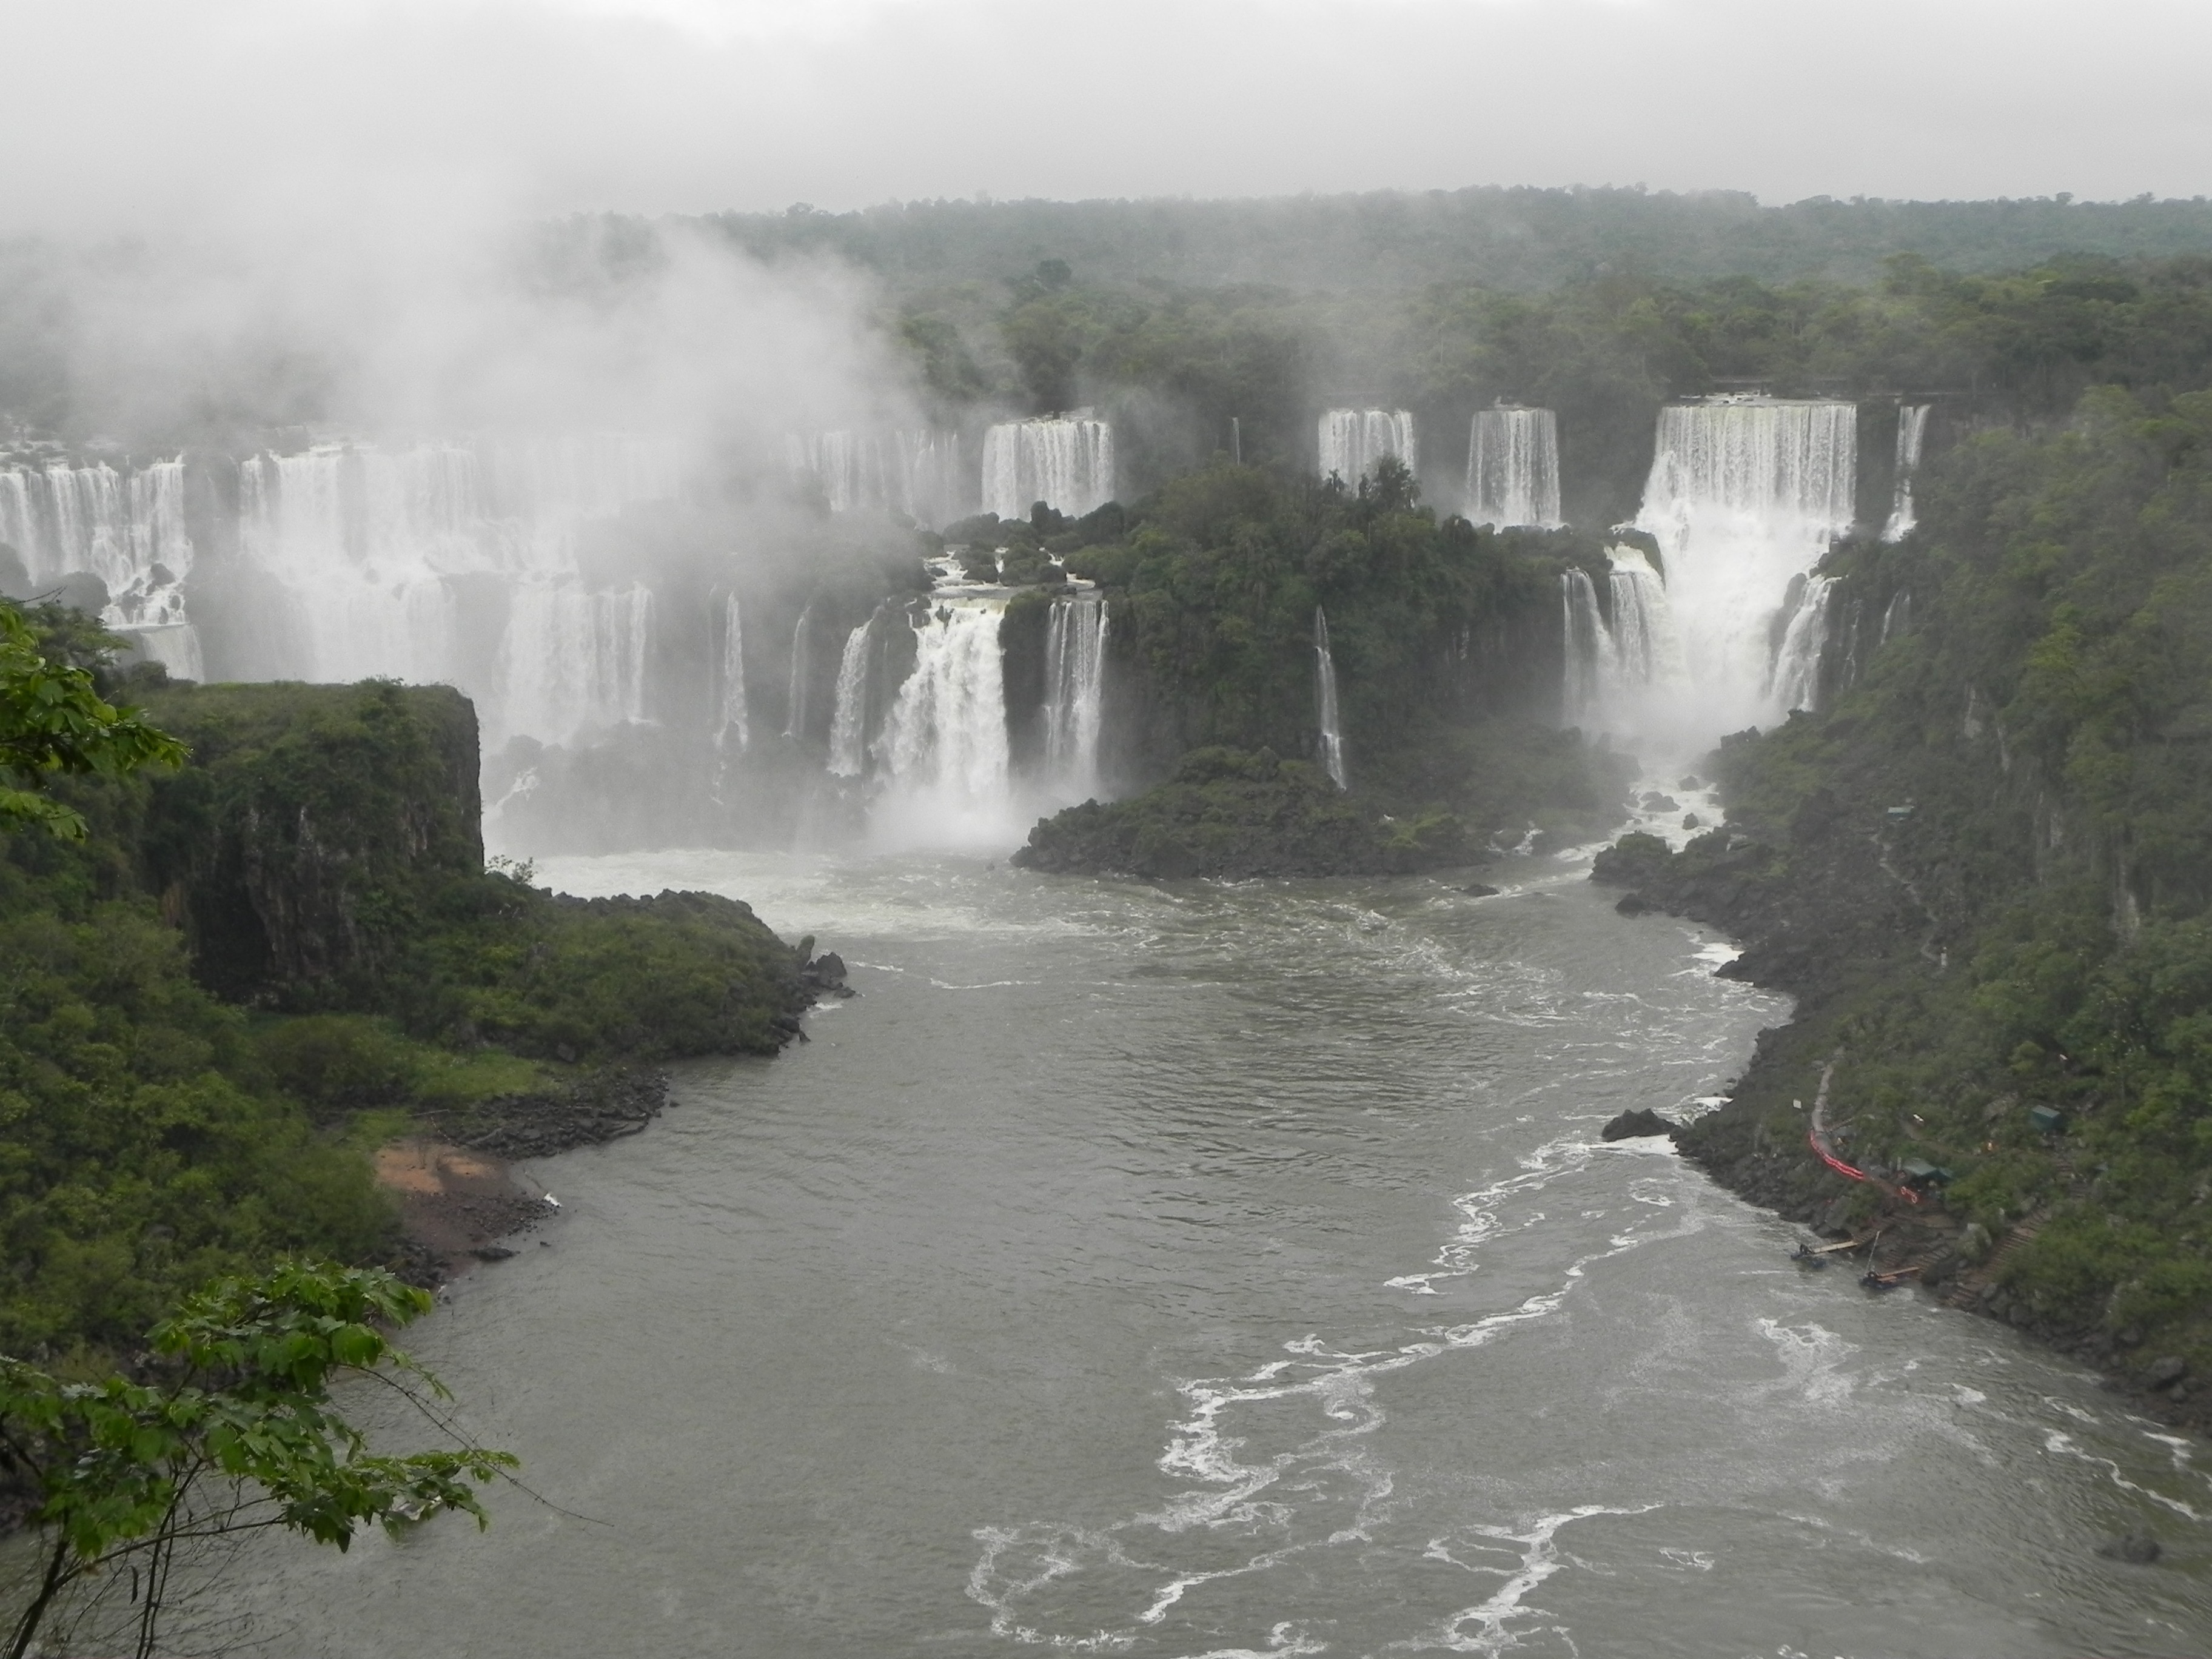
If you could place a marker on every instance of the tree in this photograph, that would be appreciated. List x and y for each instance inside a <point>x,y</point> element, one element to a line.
<point>53,722</point>
<point>235,1433</point>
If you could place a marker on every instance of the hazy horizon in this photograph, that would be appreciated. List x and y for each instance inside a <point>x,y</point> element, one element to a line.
<point>125,115</point>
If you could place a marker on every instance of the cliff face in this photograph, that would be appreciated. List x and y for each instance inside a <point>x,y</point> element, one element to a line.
<point>314,825</point>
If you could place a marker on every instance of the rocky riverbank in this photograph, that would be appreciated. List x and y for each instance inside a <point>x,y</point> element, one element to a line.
<point>1824,914</point>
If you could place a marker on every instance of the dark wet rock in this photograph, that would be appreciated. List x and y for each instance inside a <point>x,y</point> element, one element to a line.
<point>1631,1125</point>
<point>1479,889</point>
<point>1634,904</point>
<point>1692,821</point>
<point>2166,1372</point>
<point>828,967</point>
<point>492,1253</point>
<point>2139,1547</point>
<point>596,1106</point>
<point>1691,782</point>
<point>1656,802</point>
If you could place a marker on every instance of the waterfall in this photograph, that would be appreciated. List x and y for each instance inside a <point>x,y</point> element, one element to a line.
<point>847,465</point>
<point>1075,683</point>
<point>1797,680</point>
<point>125,528</point>
<point>1332,729</point>
<point>1911,433</point>
<point>943,742</point>
<point>1613,667</point>
<point>733,729</point>
<point>1588,647</point>
<point>848,725</point>
<point>1744,495</point>
<point>576,659</point>
<point>794,700</point>
<point>362,547</point>
<point>1353,440</point>
<point>1067,463</point>
<point>929,484</point>
<point>1513,468</point>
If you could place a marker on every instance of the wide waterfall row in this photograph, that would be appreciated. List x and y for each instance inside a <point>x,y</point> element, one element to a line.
<point>1353,441</point>
<point>1911,434</point>
<point>125,528</point>
<point>1513,468</point>
<point>440,561</point>
<point>917,473</point>
<point>1066,462</point>
<point>1744,498</point>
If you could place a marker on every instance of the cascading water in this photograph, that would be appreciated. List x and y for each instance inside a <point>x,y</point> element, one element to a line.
<point>1745,495</point>
<point>794,696</point>
<point>944,751</point>
<point>914,471</point>
<point>1332,728</point>
<point>1353,440</point>
<point>127,528</point>
<point>734,729</point>
<point>1075,686</point>
<point>1613,666</point>
<point>1911,434</point>
<point>849,723</point>
<point>363,552</point>
<point>1513,468</point>
<point>1066,462</point>
<point>1588,647</point>
<point>1797,680</point>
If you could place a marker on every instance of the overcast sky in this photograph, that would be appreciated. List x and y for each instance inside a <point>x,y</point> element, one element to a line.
<point>122,111</point>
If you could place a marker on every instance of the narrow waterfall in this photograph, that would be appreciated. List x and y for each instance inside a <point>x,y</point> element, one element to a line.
<point>1588,647</point>
<point>1332,728</point>
<point>1353,440</point>
<point>125,528</point>
<point>734,729</point>
<point>1911,433</point>
<point>1744,495</point>
<point>794,698</point>
<point>1075,686</point>
<point>849,723</point>
<point>1066,462</point>
<point>1797,682</point>
<point>1513,468</point>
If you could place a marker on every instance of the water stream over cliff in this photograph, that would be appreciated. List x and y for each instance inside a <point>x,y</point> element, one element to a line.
<point>1513,468</point>
<point>1235,1270</point>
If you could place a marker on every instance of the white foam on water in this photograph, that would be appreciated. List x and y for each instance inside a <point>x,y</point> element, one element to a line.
<point>1534,1555</point>
<point>2059,1443</point>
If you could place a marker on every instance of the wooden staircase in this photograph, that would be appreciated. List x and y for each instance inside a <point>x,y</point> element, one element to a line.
<point>1975,1280</point>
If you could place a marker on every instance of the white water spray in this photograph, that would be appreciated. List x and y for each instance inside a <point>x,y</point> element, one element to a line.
<point>127,528</point>
<point>794,695</point>
<point>1513,468</point>
<point>1353,441</point>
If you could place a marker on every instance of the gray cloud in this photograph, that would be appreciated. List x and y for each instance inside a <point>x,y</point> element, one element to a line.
<point>163,113</point>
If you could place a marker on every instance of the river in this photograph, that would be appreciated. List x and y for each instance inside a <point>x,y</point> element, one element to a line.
<point>1234,1270</point>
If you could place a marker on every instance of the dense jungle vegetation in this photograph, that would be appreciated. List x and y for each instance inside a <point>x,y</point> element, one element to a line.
<point>1445,637</point>
<point>2036,931</point>
<point>252,970</point>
